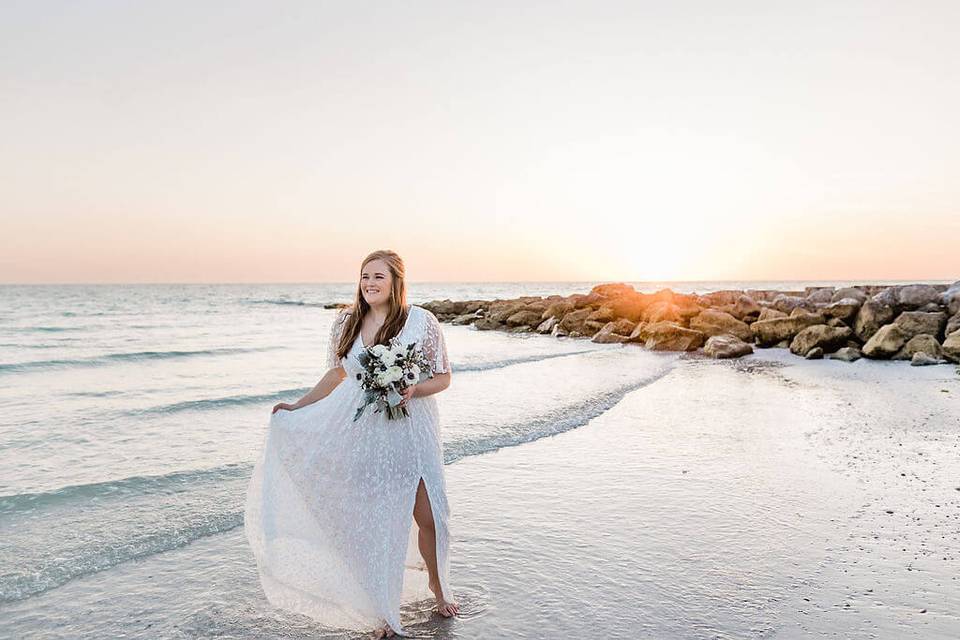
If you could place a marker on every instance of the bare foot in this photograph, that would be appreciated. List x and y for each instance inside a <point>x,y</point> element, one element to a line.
<point>383,632</point>
<point>444,608</point>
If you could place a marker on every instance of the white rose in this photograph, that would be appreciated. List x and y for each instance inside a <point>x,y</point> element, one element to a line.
<point>393,374</point>
<point>378,350</point>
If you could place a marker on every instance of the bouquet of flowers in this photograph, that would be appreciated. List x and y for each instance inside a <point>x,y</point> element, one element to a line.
<point>387,372</point>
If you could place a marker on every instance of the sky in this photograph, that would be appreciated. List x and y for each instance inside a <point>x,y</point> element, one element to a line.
<point>483,141</point>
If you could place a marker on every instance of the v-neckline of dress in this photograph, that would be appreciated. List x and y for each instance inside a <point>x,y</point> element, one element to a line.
<point>402,329</point>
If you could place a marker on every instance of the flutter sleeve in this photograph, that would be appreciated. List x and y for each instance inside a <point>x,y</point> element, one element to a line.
<point>335,332</point>
<point>434,346</point>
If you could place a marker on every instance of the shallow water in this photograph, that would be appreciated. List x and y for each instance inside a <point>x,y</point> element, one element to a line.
<point>677,497</point>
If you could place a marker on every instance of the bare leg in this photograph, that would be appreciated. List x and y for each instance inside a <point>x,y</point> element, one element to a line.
<point>427,542</point>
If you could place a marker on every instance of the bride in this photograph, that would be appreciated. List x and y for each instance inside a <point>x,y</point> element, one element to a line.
<point>331,502</point>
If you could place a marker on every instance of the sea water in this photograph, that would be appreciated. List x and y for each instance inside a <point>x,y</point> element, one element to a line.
<point>130,415</point>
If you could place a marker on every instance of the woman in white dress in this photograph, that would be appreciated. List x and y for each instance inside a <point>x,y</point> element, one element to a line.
<point>332,501</point>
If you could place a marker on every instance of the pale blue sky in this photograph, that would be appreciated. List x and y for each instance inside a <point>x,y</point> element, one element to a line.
<point>214,142</point>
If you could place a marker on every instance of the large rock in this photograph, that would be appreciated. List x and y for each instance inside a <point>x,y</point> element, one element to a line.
<point>769,313</point>
<point>714,323</point>
<point>951,298</point>
<point>913,296</point>
<point>872,316</point>
<point>845,309</point>
<point>923,343</point>
<point>603,314</point>
<point>726,346</point>
<point>823,336</point>
<point>746,308</point>
<point>670,336</point>
<point>920,359</point>
<point>847,354</point>
<point>486,324</point>
<point>951,347</point>
<point>915,323</point>
<point>527,317</point>
<point>818,295</point>
<point>770,332</point>
<point>953,324</point>
<point>888,339</point>
<point>662,311</point>
<point>547,325</point>
<point>557,309</point>
<point>815,354</point>
<point>787,303</point>
<point>574,320</point>
<point>849,292</point>
<point>614,331</point>
<point>613,289</point>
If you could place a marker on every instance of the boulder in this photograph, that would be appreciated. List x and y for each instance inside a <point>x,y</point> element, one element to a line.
<point>638,335</point>
<point>670,336</point>
<point>836,322</point>
<point>547,325</point>
<point>466,318</point>
<point>503,309</point>
<point>662,311</point>
<point>953,324</point>
<point>847,354</point>
<point>590,327</point>
<point>888,339</point>
<point>887,297</point>
<point>915,323</point>
<point>770,332</point>
<point>712,322</point>
<point>821,336</point>
<point>573,320</point>
<point>608,333</point>
<point>486,324</point>
<point>603,314</point>
<point>872,316</point>
<point>557,309</point>
<point>951,347</point>
<point>613,289</point>
<point>726,346</point>
<point>951,298</point>
<point>745,308</point>
<point>528,317</point>
<point>845,309</point>
<point>920,359</point>
<point>815,316</point>
<point>849,292</point>
<point>814,354</point>
<point>769,313</point>
<point>923,343</point>
<point>913,296</point>
<point>818,295</point>
<point>787,303</point>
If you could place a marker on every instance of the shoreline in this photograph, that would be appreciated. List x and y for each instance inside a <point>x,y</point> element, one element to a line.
<point>769,508</point>
<point>919,323</point>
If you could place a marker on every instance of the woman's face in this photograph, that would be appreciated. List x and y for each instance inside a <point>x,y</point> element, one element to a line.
<point>375,282</point>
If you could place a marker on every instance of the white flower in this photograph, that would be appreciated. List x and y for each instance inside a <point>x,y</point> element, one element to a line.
<point>379,350</point>
<point>393,374</point>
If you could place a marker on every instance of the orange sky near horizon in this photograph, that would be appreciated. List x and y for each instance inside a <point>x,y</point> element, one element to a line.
<point>174,143</point>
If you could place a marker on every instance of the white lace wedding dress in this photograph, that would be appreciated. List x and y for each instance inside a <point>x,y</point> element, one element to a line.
<point>329,512</point>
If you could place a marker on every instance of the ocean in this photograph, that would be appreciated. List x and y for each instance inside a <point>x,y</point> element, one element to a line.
<point>130,416</point>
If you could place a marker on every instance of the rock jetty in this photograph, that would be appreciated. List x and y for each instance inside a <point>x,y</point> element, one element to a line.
<point>919,323</point>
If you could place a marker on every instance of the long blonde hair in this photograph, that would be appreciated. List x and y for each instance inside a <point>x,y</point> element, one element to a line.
<point>396,316</point>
